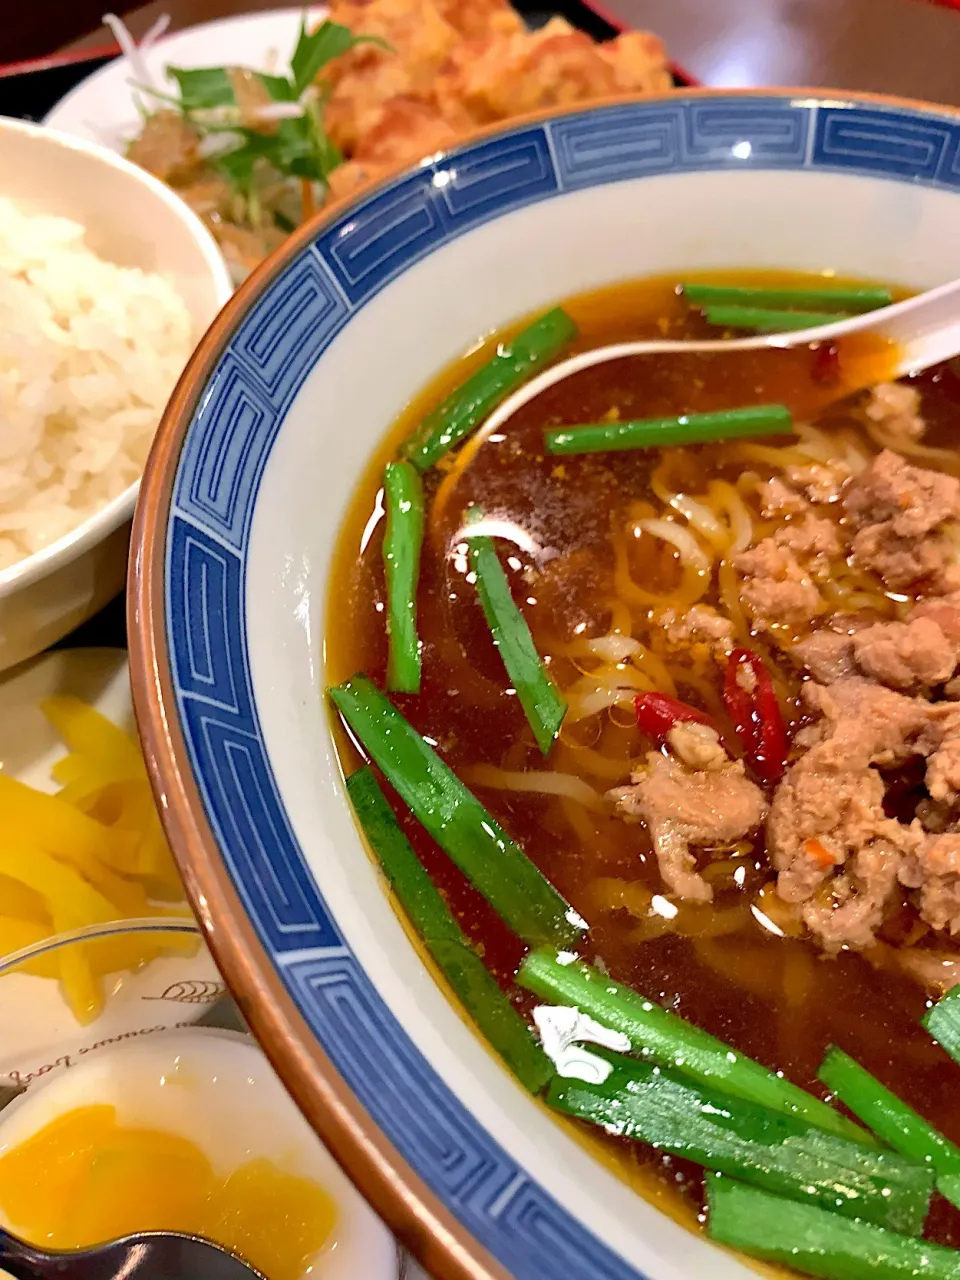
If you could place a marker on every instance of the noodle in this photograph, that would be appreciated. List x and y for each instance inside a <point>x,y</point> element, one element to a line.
<point>656,670</point>
<point>590,760</point>
<point>579,819</point>
<point>623,582</point>
<point>853,457</point>
<point>729,587</point>
<point>571,730</point>
<point>696,920</point>
<point>614,647</point>
<point>692,555</point>
<point>787,456</point>
<point>738,515</point>
<point>621,622</point>
<point>814,443</point>
<point>612,894</point>
<point>695,511</point>
<point>945,459</point>
<point>582,707</point>
<point>541,782</point>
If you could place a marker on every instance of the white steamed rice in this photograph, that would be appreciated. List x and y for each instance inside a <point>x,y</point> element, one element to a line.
<point>89,354</point>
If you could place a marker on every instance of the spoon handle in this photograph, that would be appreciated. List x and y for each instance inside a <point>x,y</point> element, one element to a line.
<point>22,1261</point>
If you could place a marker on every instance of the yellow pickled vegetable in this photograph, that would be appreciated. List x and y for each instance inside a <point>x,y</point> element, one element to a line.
<point>93,737</point>
<point>85,1178</point>
<point>91,853</point>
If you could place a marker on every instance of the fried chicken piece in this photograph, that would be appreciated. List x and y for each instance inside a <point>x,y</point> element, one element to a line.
<point>452,67</point>
<point>480,19</point>
<point>503,76</point>
<point>364,79</point>
<point>406,130</point>
<point>639,61</point>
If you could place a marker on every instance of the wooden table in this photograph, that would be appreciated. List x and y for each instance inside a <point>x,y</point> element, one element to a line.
<point>905,47</point>
<point>887,46</point>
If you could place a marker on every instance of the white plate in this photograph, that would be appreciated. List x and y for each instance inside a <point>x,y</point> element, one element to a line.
<point>102,107</point>
<point>38,1033</point>
<point>29,746</point>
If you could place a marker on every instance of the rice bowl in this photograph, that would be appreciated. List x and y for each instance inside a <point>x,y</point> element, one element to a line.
<point>109,280</point>
<point>89,352</point>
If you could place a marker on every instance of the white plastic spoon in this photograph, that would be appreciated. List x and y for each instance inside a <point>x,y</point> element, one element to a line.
<point>926,329</point>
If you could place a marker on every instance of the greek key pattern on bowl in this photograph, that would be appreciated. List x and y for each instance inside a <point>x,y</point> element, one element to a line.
<point>239,794</point>
<point>495,1198</point>
<point>215,494</point>
<point>863,139</point>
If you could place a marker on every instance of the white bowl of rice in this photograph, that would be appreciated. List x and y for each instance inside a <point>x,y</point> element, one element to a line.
<point>107,282</point>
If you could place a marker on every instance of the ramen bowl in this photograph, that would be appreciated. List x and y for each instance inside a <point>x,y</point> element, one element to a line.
<point>261,448</point>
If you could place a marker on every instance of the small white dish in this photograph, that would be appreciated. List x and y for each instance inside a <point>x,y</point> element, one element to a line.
<point>134,220</point>
<point>102,108</point>
<point>39,1035</point>
<point>216,1089</point>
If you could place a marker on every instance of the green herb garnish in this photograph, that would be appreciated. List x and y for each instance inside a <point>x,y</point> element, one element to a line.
<point>282,137</point>
<point>778,1152</point>
<point>449,946</point>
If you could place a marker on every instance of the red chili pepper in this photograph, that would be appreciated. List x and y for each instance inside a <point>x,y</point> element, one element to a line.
<point>826,364</point>
<point>751,702</point>
<point>657,713</point>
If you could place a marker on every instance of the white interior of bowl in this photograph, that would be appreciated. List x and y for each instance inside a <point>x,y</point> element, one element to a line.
<point>132,219</point>
<point>809,220</point>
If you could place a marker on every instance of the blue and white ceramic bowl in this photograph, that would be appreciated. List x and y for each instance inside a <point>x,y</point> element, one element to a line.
<point>262,445</point>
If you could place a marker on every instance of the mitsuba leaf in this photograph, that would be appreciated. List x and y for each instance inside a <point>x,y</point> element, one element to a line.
<point>203,87</point>
<point>237,163</point>
<point>279,88</point>
<point>315,49</point>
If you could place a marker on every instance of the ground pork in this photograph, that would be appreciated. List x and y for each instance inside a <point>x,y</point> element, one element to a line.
<point>816,820</point>
<point>853,909</point>
<point>690,808</point>
<point>828,836</point>
<point>944,611</point>
<point>780,573</point>
<point>923,650</point>
<point>700,630</point>
<point>940,743</point>
<point>697,745</point>
<point>907,564</point>
<point>777,498</point>
<point>899,512</point>
<point>861,723</point>
<point>913,500</point>
<point>821,482</point>
<point>827,654</point>
<point>895,408</point>
<point>906,654</point>
<point>935,871</point>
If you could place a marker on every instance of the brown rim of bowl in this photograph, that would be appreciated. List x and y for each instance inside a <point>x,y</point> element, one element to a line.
<point>414,1213</point>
